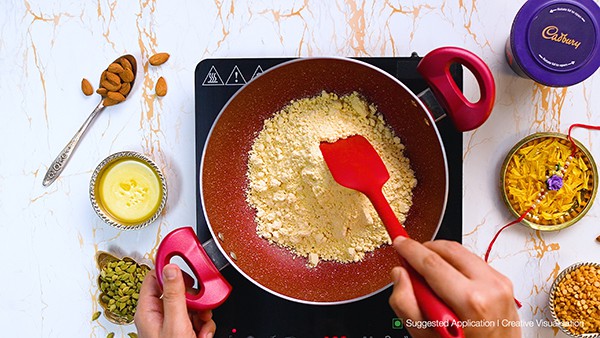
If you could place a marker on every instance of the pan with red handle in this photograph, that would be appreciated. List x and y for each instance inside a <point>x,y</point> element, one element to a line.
<point>223,181</point>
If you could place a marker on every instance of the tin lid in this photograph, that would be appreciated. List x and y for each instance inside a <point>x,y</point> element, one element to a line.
<point>556,42</point>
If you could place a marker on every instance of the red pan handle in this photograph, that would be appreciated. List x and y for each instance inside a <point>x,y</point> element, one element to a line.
<point>431,305</point>
<point>435,69</point>
<point>182,242</point>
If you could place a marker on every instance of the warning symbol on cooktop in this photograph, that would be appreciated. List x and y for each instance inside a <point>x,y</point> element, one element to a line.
<point>235,78</point>
<point>257,72</point>
<point>213,78</point>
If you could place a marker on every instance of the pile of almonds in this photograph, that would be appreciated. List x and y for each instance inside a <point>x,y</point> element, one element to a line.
<point>115,82</point>
<point>577,300</point>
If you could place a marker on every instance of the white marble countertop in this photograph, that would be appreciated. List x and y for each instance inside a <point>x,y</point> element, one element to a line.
<point>49,236</point>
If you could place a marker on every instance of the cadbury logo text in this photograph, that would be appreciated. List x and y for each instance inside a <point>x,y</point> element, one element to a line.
<point>552,33</point>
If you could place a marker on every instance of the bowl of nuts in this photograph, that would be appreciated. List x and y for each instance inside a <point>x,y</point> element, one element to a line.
<point>119,281</point>
<point>575,300</point>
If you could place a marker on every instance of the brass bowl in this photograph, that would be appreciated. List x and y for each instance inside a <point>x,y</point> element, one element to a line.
<point>553,290</point>
<point>575,214</point>
<point>102,259</point>
<point>99,208</point>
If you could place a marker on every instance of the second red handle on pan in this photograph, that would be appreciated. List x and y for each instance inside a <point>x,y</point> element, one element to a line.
<point>435,69</point>
<point>430,304</point>
<point>182,242</point>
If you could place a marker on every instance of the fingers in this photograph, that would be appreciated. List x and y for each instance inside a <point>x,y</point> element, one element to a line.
<point>148,316</point>
<point>150,288</point>
<point>404,303</point>
<point>164,312</point>
<point>459,257</point>
<point>403,300</point>
<point>437,272</point>
<point>208,329</point>
<point>174,304</point>
<point>203,324</point>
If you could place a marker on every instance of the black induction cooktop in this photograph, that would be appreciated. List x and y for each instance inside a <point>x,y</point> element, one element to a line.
<point>252,312</point>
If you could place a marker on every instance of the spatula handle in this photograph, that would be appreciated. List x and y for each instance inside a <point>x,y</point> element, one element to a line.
<point>431,305</point>
<point>387,215</point>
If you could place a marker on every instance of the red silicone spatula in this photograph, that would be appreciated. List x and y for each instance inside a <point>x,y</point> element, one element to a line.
<point>355,164</point>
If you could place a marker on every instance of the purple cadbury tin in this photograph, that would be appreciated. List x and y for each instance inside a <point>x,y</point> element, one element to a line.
<point>555,42</point>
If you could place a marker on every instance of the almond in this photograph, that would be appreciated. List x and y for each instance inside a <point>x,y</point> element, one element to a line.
<point>109,102</point>
<point>115,68</point>
<point>113,78</point>
<point>161,87</point>
<point>125,63</point>
<point>158,59</point>
<point>125,88</point>
<point>102,91</point>
<point>86,87</point>
<point>109,85</point>
<point>127,75</point>
<point>116,96</point>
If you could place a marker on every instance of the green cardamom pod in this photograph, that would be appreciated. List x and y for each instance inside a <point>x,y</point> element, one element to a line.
<point>120,282</point>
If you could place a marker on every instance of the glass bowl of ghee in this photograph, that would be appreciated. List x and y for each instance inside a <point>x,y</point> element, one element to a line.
<point>128,190</point>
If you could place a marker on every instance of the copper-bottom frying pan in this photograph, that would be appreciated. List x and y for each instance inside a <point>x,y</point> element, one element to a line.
<point>225,159</point>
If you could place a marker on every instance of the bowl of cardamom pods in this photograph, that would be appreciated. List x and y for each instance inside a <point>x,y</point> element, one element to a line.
<point>119,281</point>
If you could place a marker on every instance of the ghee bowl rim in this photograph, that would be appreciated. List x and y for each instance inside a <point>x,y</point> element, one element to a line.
<point>103,257</point>
<point>95,178</point>
<point>543,227</point>
<point>557,280</point>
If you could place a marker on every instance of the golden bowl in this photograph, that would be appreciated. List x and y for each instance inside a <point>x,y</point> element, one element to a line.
<point>102,260</point>
<point>566,325</point>
<point>98,203</point>
<point>546,218</point>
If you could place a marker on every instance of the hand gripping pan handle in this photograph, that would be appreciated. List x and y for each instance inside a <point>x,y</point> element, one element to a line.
<point>435,69</point>
<point>182,242</point>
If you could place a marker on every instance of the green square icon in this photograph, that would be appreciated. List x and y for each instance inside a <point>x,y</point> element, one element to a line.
<point>397,323</point>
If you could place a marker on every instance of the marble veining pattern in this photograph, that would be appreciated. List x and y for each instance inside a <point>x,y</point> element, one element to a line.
<point>49,236</point>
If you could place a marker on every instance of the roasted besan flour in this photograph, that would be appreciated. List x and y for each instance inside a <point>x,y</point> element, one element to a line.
<point>298,204</point>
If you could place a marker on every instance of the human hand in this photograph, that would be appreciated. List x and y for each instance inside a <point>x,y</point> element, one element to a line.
<point>168,317</point>
<point>467,284</point>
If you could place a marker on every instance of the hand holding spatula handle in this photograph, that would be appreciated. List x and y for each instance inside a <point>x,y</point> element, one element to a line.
<point>355,164</point>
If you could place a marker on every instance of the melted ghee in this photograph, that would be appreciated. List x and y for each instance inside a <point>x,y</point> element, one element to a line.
<point>130,191</point>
